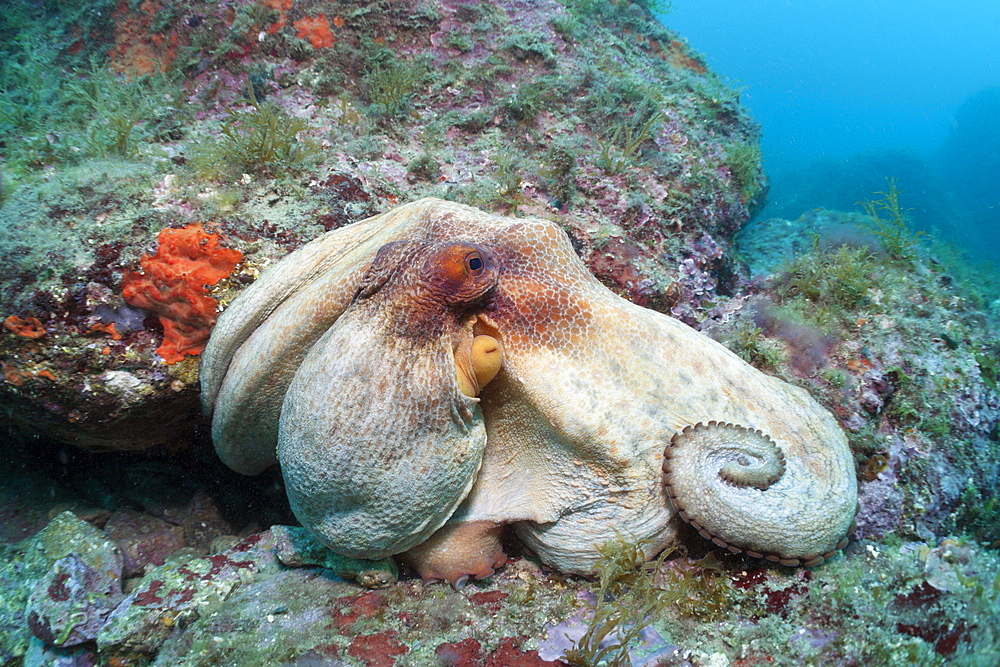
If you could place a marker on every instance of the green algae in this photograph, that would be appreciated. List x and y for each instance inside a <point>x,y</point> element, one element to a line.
<point>55,225</point>
<point>622,146</point>
<point>52,113</point>
<point>262,140</point>
<point>390,85</point>
<point>559,168</point>
<point>838,282</point>
<point>16,575</point>
<point>743,160</point>
<point>889,224</point>
<point>747,340</point>
<point>625,597</point>
<point>631,593</point>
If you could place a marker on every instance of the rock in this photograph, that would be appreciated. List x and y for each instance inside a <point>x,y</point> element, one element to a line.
<point>202,521</point>
<point>74,572</point>
<point>41,654</point>
<point>65,535</point>
<point>170,597</point>
<point>223,543</point>
<point>296,547</point>
<point>96,516</point>
<point>71,602</point>
<point>16,576</point>
<point>144,540</point>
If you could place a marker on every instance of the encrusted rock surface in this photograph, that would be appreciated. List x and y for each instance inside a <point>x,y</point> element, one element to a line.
<point>590,114</point>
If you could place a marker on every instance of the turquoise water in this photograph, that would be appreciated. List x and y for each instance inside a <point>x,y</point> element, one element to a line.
<point>851,92</point>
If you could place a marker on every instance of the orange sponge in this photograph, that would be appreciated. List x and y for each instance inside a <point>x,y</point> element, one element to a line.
<point>316,29</point>
<point>28,327</point>
<point>172,284</point>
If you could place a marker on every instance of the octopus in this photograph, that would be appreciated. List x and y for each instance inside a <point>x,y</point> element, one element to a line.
<point>435,375</point>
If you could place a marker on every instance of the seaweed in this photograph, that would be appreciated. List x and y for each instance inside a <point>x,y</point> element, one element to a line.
<point>114,135</point>
<point>893,230</point>
<point>626,598</point>
<point>838,280</point>
<point>51,117</point>
<point>261,140</point>
<point>978,513</point>
<point>988,369</point>
<point>619,150</point>
<point>508,183</point>
<point>558,167</point>
<point>31,111</point>
<point>618,8</point>
<point>743,160</point>
<point>748,341</point>
<point>390,85</point>
<point>532,46</point>
<point>423,168</point>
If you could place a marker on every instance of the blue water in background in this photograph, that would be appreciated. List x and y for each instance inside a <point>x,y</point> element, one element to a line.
<point>849,92</point>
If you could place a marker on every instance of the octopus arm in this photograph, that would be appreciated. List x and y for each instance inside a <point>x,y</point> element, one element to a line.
<point>377,444</point>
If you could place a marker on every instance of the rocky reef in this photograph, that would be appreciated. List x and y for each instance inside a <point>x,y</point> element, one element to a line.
<point>269,125</point>
<point>158,156</point>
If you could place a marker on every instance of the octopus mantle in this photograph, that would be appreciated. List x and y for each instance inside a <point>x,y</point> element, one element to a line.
<point>358,364</point>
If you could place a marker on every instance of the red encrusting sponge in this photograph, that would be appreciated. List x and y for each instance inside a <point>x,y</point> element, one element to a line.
<point>173,285</point>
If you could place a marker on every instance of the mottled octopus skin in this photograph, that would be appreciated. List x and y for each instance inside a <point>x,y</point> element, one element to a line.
<point>566,443</point>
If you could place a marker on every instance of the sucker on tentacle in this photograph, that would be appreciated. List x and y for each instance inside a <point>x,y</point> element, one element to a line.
<point>742,458</point>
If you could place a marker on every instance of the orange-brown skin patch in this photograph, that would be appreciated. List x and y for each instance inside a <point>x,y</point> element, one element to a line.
<point>535,313</point>
<point>423,288</point>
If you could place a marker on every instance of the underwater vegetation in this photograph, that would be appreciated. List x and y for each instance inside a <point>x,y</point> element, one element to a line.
<point>389,86</point>
<point>888,223</point>
<point>625,598</point>
<point>836,281</point>
<point>49,116</point>
<point>261,140</point>
<point>630,595</point>
<point>624,143</point>
<point>743,161</point>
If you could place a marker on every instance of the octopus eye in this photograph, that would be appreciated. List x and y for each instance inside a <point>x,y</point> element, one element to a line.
<point>474,263</point>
